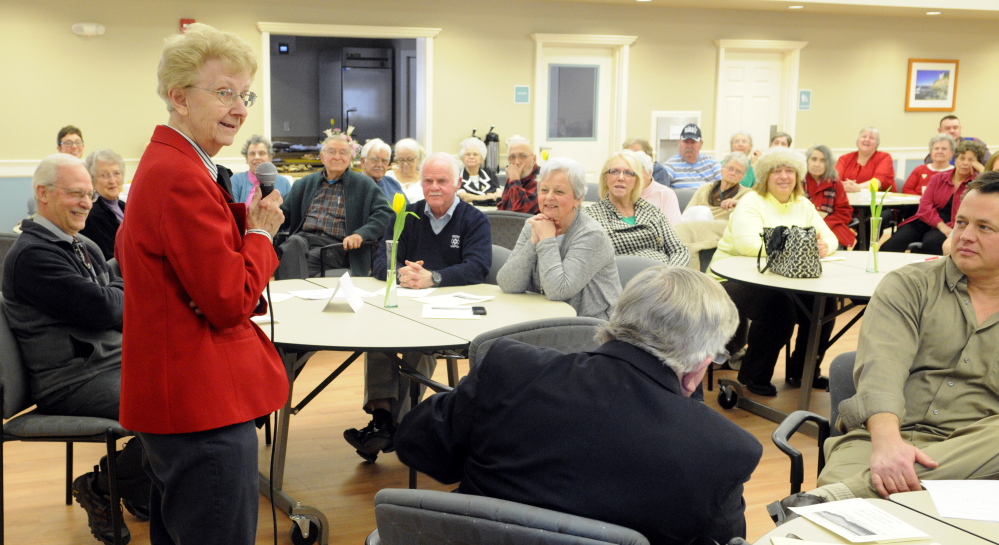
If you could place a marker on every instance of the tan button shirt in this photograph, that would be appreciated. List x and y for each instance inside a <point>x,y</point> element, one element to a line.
<point>922,355</point>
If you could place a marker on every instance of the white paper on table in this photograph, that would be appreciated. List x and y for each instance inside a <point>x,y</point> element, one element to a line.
<point>833,258</point>
<point>449,312</point>
<point>347,289</point>
<point>860,521</point>
<point>406,292</point>
<point>972,500</point>
<point>325,293</point>
<point>454,299</point>
<point>340,295</point>
<point>265,319</point>
<point>792,541</point>
<point>278,297</point>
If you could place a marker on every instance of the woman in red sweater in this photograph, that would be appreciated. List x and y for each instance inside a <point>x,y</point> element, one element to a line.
<point>941,152</point>
<point>857,168</point>
<point>827,194</point>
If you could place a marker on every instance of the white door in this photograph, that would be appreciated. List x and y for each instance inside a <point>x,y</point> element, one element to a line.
<point>573,96</point>
<point>750,91</point>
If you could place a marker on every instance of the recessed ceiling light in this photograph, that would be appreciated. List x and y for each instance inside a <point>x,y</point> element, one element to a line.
<point>932,13</point>
<point>644,0</point>
<point>796,7</point>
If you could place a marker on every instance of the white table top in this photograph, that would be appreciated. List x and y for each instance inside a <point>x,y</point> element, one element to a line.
<point>334,326</point>
<point>922,502</point>
<point>940,532</point>
<point>844,278</point>
<point>863,198</point>
<point>505,309</point>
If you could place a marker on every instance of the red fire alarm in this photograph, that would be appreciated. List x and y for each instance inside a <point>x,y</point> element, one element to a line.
<point>184,23</point>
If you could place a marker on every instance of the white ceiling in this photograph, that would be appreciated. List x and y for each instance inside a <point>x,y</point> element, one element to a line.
<point>951,9</point>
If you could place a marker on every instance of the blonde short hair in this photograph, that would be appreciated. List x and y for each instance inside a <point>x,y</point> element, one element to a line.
<point>634,164</point>
<point>185,54</point>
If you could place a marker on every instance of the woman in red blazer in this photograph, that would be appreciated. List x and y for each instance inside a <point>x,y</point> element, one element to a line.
<point>196,371</point>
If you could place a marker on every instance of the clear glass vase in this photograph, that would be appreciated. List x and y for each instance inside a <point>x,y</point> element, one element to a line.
<point>872,251</point>
<point>391,288</point>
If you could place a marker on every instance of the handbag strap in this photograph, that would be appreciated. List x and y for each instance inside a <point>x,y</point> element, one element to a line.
<point>760,255</point>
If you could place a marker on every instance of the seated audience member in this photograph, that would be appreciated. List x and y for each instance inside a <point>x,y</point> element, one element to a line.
<point>992,163</point>
<point>635,227</point>
<point>448,244</point>
<point>333,205</point>
<point>409,156</point>
<point>934,220</point>
<point>562,253</point>
<point>690,168</point>
<point>256,150</point>
<point>520,192</point>
<point>65,308</point>
<point>717,200</point>
<point>107,170</point>
<point>827,194</point>
<point>941,159</point>
<point>640,144</point>
<point>778,198</point>
<point>742,142</point>
<point>950,124</point>
<point>658,195</point>
<point>858,168</point>
<point>479,184</point>
<point>780,140</point>
<point>590,433</point>
<point>927,402</point>
<point>70,140</point>
<point>375,159</point>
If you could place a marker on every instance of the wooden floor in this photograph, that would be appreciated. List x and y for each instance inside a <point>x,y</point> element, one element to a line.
<point>325,473</point>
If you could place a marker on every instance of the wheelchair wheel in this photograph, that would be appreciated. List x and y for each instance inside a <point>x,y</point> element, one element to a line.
<point>296,533</point>
<point>727,397</point>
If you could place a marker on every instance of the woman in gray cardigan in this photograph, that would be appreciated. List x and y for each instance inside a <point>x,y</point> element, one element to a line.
<point>561,253</point>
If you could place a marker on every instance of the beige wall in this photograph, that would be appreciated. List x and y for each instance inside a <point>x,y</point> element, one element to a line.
<point>855,66</point>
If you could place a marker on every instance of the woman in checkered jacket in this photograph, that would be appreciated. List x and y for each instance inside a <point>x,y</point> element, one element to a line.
<point>634,226</point>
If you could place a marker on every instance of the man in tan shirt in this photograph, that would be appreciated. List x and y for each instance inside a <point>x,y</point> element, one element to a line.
<point>927,371</point>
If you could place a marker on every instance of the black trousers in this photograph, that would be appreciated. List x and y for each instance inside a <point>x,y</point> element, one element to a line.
<point>773,314</point>
<point>205,486</point>
<point>916,231</point>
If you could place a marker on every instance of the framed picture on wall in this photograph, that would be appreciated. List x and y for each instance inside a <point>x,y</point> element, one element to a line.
<point>931,86</point>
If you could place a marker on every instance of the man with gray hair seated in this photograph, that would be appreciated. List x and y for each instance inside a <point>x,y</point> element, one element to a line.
<point>334,205</point>
<point>375,158</point>
<point>445,242</point>
<point>610,434</point>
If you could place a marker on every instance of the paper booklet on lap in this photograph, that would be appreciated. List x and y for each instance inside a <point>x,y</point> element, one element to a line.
<point>860,521</point>
<point>347,290</point>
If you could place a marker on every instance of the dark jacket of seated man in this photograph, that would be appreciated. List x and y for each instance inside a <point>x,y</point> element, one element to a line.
<point>67,321</point>
<point>606,435</point>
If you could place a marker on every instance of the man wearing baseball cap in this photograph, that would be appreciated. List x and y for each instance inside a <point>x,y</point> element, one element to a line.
<point>689,168</point>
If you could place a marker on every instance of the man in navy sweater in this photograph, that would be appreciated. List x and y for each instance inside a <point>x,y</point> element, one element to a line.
<point>449,244</point>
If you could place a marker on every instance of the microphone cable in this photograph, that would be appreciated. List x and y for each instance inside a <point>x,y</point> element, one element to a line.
<point>270,476</point>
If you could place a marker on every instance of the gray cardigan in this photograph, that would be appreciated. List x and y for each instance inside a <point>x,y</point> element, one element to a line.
<point>580,271</point>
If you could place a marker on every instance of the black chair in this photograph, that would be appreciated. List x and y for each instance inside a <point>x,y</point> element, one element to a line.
<point>35,426</point>
<point>841,387</point>
<point>428,516</point>
<point>6,241</point>
<point>506,226</point>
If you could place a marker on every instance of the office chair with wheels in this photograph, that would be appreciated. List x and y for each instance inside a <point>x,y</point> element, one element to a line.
<point>34,426</point>
<point>500,255</point>
<point>630,265</point>
<point>429,516</point>
<point>841,387</point>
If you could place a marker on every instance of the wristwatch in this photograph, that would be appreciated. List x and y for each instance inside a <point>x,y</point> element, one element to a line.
<point>436,276</point>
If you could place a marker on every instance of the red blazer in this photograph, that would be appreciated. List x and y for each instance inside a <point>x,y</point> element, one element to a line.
<point>181,242</point>
<point>879,166</point>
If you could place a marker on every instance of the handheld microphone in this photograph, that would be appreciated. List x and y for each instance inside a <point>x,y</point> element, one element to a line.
<point>266,173</point>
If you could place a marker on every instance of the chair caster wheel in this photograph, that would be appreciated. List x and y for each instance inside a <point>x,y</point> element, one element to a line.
<point>727,397</point>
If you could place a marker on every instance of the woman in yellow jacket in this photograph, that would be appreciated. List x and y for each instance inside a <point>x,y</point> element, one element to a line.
<point>778,198</point>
